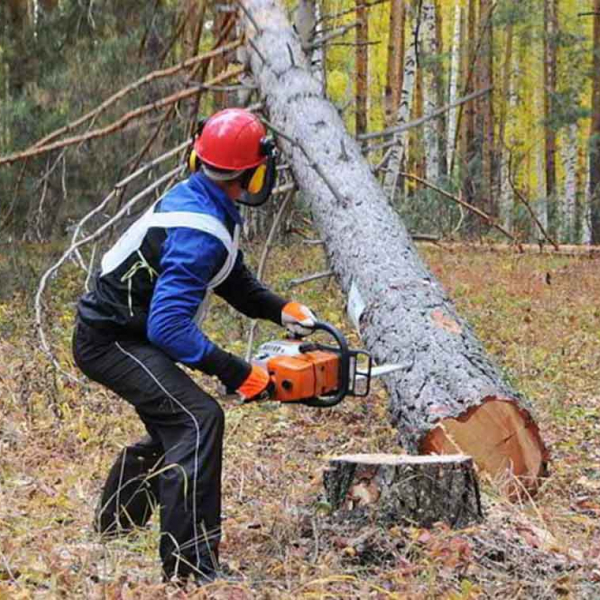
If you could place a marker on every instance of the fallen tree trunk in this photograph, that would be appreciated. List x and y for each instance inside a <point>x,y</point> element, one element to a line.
<point>449,397</point>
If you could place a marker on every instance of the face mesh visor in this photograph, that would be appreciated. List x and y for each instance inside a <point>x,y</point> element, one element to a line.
<point>218,175</point>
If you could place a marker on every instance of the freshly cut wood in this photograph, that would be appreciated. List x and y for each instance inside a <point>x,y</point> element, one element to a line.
<point>448,397</point>
<point>391,488</point>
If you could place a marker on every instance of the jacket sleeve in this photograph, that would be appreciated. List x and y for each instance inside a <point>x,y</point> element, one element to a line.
<point>245,293</point>
<point>189,260</point>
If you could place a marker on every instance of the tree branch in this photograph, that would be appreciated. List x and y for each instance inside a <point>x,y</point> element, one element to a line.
<point>487,218</point>
<point>135,85</point>
<point>75,246</point>
<point>410,125</point>
<point>263,259</point>
<point>119,124</point>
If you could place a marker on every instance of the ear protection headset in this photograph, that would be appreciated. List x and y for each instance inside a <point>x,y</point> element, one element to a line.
<point>258,182</point>
<point>193,161</point>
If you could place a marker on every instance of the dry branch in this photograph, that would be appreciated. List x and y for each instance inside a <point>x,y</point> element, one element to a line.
<point>122,122</point>
<point>76,245</point>
<point>134,86</point>
<point>350,10</point>
<point>265,254</point>
<point>421,120</point>
<point>477,211</point>
<point>313,277</point>
<point>531,212</point>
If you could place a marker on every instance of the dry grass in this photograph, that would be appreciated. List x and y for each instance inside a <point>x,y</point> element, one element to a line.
<point>57,442</point>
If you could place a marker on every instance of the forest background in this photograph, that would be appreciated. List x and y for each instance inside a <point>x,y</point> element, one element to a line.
<point>525,153</point>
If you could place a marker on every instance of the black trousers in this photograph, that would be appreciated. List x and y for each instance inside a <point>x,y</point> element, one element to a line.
<point>178,464</point>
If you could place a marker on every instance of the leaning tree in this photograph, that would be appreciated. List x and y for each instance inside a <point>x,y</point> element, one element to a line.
<point>448,396</point>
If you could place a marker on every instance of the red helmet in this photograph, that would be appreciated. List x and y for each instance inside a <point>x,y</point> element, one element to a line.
<point>231,140</point>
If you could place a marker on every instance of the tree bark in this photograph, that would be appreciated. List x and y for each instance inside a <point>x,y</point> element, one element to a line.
<point>395,60</point>
<point>485,110</point>
<point>469,144</point>
<point>586,210</point>
<point>398,152</point>
<point>430,92</point>
<point>448,396</point>
<point>541,204</point>
<point>362,67</point>
<point>505,205</point>
<point>453,86</point>
<point>594,171</point>
<point>388,488</point>
<point>550,74</point>
<point>569,197</point>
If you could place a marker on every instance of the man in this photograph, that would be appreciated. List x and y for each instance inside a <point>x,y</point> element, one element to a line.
<point>141,319</point>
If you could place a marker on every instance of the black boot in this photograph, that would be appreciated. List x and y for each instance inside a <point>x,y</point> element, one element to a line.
<point>130,493</point>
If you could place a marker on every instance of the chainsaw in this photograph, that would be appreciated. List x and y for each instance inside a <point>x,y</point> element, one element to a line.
<point>316,374</point>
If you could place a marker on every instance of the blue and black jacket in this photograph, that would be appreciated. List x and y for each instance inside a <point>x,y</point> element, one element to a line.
<point>155,278</point>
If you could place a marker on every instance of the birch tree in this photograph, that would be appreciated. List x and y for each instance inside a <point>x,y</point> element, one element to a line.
<point>430,91</point>
<point>568,200</point>
<point>507,100</point>
<point>453,85</point>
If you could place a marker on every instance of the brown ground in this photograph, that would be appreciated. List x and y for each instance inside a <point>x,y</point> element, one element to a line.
<point>539,316</point>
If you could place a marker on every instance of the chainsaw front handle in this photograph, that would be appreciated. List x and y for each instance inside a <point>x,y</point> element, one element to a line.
<point>342,347</point>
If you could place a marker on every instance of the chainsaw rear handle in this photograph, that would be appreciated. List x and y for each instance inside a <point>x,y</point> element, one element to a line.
<point>342,347</point>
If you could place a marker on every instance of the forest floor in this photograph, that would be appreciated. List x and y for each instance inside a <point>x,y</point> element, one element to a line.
<point>538,316</point>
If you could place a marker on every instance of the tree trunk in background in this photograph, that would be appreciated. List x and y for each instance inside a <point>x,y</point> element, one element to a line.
<point>362,68</point>
<point>569,197</point>
<point>398,151</point>
<point>448,396</point>
<point>550,71</point>
<point>395,60</point>
<point>440,76</point>
<point>586,210</point>
<point>48,5</point>
<point>485,113</point>
<point>222,14</point>
<point>19,19</point>
<point>453,86</point>
<point>414,154</point>
<point>469,143</point>
<point>193,28</point>
<point>594,170</point>
<point>505,196</point>
<point>430,91</point>
<point>541,204</point>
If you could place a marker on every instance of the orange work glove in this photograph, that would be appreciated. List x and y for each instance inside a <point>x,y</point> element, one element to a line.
<point>297,318</point>
<point>255,384</point>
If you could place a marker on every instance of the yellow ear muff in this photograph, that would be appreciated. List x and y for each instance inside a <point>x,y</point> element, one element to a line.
<point>258,180</point>
<point>193,161</point>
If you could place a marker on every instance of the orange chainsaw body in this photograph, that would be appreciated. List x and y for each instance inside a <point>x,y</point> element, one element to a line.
<point>303,376</point>
<point>312,373</point>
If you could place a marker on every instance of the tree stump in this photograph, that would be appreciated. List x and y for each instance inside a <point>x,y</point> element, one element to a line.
<point>389,488</point>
